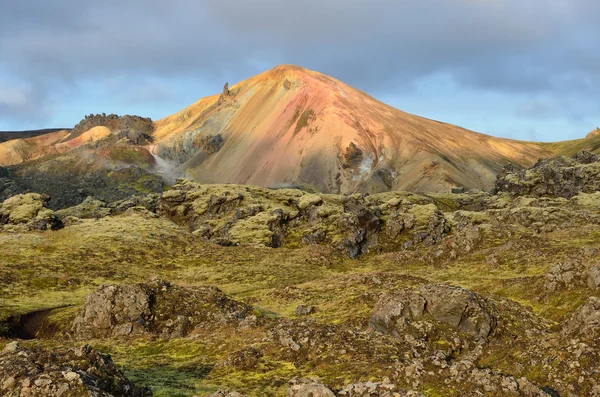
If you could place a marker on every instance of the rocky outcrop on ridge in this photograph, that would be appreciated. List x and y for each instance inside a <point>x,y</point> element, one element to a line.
<point>555,177</point>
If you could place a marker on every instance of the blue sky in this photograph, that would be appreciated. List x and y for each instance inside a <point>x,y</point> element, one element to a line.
<point>524,70</point>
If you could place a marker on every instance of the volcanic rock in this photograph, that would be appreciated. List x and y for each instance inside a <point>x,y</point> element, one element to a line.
<point>157,308</point>
<point>62,372</point>
<point>29,209</point>
<point>462,309</point>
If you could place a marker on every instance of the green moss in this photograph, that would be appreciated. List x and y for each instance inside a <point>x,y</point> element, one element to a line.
<point>129,155</point>
<point>305,119</point>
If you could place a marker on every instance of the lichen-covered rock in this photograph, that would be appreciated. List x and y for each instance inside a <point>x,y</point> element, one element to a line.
<point>308,388</point>
<point>555,177</point>
<point>304,310</point>
<point>29,209</point>
<point>88,209</point>
<point>593,277</point>
<point>251,215</point>
<point>563,275</point>
<point>375,389</point>
<point>225,393</point>
<point>148,201</point>
<point>157,308</point>
<point>245,359</point>
<point>315,388</point>
<point>62,373</point>
<point>585,321</point>
<point>462,309</point>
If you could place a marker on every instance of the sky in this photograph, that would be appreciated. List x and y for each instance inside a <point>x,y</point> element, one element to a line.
<point>510,68</point>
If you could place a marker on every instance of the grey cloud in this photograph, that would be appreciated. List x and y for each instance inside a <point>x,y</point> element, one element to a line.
<point>377,45</point>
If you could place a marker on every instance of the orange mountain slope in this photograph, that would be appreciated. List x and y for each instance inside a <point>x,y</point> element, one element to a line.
<point>291,126</point>
<point>17,151</point>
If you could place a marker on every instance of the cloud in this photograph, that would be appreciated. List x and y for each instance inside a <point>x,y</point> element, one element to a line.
<point>380,46</point>
<point>540,108</point>
<point>23,102</point>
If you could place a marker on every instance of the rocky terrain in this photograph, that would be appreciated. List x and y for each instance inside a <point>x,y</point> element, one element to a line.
<point>235,290</point>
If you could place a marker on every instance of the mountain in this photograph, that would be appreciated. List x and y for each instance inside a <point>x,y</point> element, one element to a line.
<point>292,126</point>
<point>285,127</point>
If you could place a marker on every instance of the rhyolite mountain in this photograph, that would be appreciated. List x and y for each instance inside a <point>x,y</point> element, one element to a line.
<point>285,127</point>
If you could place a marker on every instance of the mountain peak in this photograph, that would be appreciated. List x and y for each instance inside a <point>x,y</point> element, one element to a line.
<point>294,126</point>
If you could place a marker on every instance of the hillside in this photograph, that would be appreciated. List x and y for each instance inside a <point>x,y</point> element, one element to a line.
<point>10,135</point>
<point>244,291</point>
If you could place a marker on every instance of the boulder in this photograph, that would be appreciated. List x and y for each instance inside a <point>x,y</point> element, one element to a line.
<point>88,209</point>
<point>585,321</point>
<point>375,389</point>
<point>29,209</point>
<point>303,310</point>
<point>308,388</point>
<point>593,277</point>
<point>156,308</point>
<point>462,309</point>
<point>562,275</point>
<point>244,359</point>
<point>225,393</point>
<point>62,372</point>
<point>314,388</point>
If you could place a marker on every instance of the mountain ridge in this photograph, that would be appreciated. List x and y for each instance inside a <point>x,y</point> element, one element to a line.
<point>290,126</point>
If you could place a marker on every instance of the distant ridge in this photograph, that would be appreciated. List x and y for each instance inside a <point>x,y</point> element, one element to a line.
<point>8,135</point>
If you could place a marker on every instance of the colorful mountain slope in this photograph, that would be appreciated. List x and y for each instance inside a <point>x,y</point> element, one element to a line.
<point>292,126</point>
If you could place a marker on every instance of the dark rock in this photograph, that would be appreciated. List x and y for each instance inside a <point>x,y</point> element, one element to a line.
<point>62,372</point>
<point>211,144</point>
<point>245,359</point>
<point>555,177</point>
<point>353,156</point>
<point>360,226</point>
